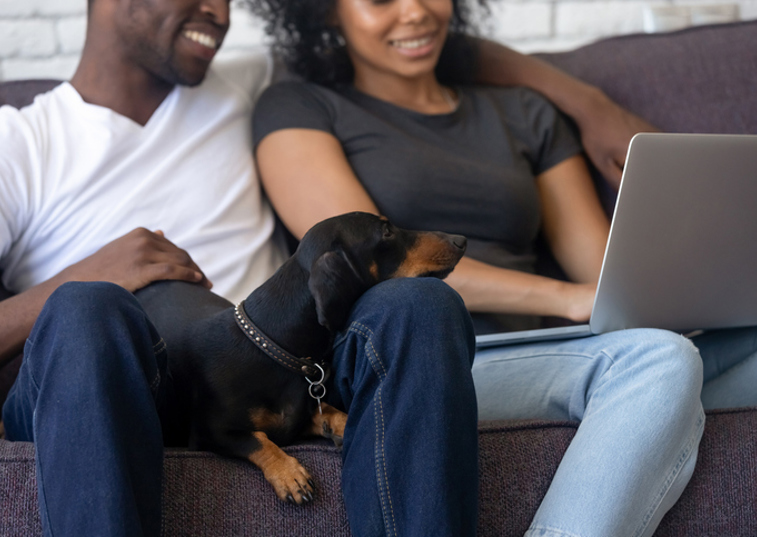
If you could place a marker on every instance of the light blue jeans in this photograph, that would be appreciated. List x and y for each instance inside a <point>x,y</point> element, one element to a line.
<point>637,396</point>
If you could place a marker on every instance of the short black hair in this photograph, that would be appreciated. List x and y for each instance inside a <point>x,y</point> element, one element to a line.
<point>309,43</point>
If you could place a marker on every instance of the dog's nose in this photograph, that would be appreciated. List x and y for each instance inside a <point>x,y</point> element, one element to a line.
<point>459,241</point>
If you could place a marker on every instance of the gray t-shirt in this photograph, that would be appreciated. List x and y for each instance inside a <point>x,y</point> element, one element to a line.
<point>470,172</point>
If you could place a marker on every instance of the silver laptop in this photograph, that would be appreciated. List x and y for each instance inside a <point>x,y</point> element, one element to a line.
<point>682,251</point>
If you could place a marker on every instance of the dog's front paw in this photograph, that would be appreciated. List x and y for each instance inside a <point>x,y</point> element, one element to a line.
<point>328,432</point>
<point>330,423</point>
<point>289,479</point>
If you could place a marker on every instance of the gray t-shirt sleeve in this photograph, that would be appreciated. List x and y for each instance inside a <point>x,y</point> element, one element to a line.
<point>290,105</point>
<point>549,136</point>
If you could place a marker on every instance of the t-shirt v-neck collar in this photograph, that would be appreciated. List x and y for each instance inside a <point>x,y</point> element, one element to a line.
<point>103,113</point>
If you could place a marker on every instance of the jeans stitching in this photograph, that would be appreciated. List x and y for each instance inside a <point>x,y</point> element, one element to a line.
<point>159,347</point>
<point>367,333</point>
<point>44,513</point>
<point>554,531</point>
<point>391,526</point>
<point>25,361</point>
<point>380,454</point>
<point>685,455</point>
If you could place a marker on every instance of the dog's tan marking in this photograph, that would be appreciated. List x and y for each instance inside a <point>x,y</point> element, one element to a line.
<point>287,476</point>
<point>265,420</point>
<point>373,269</point>
<point>330,424</point>
<point>429,254</point>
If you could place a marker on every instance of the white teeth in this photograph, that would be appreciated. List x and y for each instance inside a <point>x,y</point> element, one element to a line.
<point>411,43</point>
<point>203,39</point>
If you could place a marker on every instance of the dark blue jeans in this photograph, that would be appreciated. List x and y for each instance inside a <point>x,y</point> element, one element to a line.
<point>92,391</point>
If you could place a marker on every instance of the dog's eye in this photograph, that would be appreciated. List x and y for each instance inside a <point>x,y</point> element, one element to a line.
<point>388,233</point>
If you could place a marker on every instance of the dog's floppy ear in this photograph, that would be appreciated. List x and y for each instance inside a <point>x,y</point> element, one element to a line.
<point>335,286</point>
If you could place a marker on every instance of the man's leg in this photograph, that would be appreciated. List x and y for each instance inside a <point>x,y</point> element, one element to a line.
<point>636,393</point>
<point>86,396</point>
<point>402,371</point>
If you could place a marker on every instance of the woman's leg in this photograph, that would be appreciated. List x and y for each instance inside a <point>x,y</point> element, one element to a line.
<point>86,396</point>
<point>636,394</point>
<point>402,370</point>
<point>730,367</point>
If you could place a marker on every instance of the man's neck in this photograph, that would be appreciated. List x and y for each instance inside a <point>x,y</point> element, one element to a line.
<point>136,95</point>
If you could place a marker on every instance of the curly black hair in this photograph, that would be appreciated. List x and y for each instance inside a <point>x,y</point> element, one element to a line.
<point>310,44</point>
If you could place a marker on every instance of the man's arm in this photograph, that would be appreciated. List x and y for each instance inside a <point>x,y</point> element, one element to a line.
<point>133,261</point>
<point>606,128</point>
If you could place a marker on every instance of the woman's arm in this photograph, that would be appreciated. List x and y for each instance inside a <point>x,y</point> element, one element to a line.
<point>308,178</point>
<point>573,220</point>
<point>606,128</point>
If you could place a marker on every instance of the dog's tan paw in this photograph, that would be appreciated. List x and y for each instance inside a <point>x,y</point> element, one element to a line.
<point>291,482</point>
<point>330,423</point>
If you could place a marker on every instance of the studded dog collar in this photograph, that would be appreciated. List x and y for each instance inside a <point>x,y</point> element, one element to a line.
<point>306,367</point>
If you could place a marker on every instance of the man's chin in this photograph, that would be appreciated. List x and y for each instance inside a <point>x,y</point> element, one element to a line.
<point>186,77</point>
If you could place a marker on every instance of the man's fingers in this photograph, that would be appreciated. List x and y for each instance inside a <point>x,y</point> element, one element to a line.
<point>170,271</point>
<point>613,172</point>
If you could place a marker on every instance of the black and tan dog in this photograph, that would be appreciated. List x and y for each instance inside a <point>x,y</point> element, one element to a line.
<point>248,379</point>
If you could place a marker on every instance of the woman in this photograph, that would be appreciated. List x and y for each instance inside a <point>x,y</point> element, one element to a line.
<point>380,132</point>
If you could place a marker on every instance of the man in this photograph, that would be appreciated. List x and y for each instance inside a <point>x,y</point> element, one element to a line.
<point>139,170</point>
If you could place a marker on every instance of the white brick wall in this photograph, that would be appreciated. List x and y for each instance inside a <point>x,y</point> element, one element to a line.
<point>43,38</point>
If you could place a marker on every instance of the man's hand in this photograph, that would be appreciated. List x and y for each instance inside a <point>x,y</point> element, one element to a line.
<point>136,260</point>
<point>133,261</point>
<point>606,131</point>
<point>606,128</point>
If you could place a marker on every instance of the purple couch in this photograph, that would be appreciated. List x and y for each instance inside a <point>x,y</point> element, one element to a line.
<point>697,80</point>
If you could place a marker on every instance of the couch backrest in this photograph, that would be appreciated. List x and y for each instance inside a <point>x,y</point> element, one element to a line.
<point>19,93</point>
<point>702,79</point>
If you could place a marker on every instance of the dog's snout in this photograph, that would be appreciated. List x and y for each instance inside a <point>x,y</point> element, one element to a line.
<point>459,241</point>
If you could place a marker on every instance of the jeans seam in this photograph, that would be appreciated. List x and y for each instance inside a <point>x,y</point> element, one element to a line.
<point>159,347</point>
<point>551,530</point>
<point>30,343</point>
<point>685,455</point>
<point>367,333</point>
<point>41,481</point>
<point>377,365</point>
<point>584,355</point>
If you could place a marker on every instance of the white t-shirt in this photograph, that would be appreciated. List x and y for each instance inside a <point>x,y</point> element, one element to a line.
<point>75,176</point>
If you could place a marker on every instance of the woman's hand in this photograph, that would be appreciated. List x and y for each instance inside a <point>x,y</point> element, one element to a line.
<point>577,300</point>
<point>135,260</point>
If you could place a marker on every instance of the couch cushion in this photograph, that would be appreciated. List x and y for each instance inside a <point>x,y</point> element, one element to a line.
<point>205,494</point>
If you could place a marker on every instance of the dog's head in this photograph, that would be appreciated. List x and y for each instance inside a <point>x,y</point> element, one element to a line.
<point>348,254</point>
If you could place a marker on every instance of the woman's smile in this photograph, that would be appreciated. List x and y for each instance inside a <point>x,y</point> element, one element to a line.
<point>415,47</point>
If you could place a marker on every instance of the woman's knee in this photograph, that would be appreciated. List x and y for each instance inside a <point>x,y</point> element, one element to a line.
<point>667,362</point>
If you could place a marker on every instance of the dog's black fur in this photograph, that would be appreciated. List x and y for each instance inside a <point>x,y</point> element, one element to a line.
<point>233,399</point>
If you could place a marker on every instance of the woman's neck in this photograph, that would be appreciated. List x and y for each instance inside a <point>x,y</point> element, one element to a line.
<point>422,94</point>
